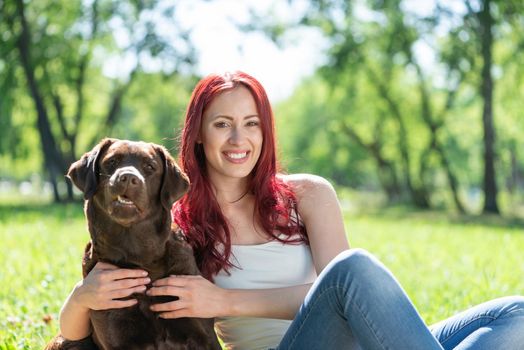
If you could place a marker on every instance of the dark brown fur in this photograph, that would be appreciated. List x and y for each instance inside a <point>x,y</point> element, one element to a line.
<point>135,236</point>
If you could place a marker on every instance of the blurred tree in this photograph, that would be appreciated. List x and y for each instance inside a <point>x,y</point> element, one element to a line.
<point>383,49</point>
<point>427,113</point>
<point>485,27</point>
<point>484,22</point>
<point>61,46</point>
<point>9,133</point>
<point>155,114</point>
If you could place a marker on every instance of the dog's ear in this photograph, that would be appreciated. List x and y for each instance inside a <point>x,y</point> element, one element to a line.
<point>84,172</point>
<point>174,182</point>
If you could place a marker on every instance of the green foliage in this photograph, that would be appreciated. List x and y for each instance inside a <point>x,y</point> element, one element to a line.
<point>22,156</point>
<point>310,137</point>
<point>374,116</point>
<point>154,109</point>
<point>392,122</point>
<point>65,49</point>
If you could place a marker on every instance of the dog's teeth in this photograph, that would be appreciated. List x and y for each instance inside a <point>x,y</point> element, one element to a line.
<point>124,200</point>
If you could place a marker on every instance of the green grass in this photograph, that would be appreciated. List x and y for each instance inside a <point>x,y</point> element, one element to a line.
<point>445,263</point>
<point>40,255</point>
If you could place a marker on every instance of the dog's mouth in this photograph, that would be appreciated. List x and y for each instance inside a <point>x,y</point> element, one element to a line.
<point>124,202</point>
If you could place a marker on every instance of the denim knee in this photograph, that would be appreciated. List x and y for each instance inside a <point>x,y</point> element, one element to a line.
<point>357,262</point>
<point>512,306</point>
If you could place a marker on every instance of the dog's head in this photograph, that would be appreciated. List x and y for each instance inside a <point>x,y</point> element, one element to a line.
<point>129,180</point>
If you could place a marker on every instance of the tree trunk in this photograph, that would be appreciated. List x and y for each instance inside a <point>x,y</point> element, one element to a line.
<point>452,179</point>
<point>433,126</point>
<point>114,108</point>
<point>53,160</point>
<point>419,194</point>
<point>486,36</point>
<point>513,178</point>
<point>386,172</point>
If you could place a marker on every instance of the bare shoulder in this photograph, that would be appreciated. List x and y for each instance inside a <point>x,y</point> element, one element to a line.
<point>304,184</point>
<point>311,190</point>
<point>319,209</point>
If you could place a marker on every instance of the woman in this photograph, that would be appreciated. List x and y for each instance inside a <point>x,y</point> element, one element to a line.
<point>276,249</point>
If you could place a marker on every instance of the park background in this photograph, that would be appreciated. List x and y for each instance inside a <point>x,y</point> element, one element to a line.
<point>412,109</point>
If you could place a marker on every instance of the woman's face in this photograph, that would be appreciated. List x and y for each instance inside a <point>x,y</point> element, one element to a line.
<point>231,135</point>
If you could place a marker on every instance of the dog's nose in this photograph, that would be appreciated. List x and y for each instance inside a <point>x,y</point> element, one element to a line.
<point>128,176</point>
<point>128,179</point>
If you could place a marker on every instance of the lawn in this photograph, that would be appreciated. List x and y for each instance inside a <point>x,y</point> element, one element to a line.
<point>445,263</point>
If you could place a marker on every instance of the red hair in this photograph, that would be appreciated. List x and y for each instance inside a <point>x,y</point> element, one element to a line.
<point>198,213</point>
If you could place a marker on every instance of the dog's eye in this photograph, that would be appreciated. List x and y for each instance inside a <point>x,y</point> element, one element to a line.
<point>150,167</point>
<point>110,163</point>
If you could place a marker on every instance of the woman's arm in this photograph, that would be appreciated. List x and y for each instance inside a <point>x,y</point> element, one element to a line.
<point>74,318</point>
<point>96,292</point>
<point>200,298</point>
<point>320,211</point>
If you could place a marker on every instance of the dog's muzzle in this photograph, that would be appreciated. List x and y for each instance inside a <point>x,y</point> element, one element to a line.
<point>126,177</point>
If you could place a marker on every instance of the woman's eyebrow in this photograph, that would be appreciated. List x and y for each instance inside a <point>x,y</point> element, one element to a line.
<point>231,118</point>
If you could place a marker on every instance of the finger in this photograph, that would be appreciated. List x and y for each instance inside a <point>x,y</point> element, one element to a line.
<point>175,314</point>
<point>170,306</point>
<point>129,283</point>
<point>125,273</point>
<point>122,293</point>
<point>167,290</point>
<point>178,281</point>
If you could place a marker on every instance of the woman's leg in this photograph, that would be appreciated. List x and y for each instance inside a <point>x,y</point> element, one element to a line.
<point>497,324</point>
<point>357,303</point>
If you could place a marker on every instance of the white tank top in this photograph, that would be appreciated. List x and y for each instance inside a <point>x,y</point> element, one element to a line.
<point>268,265</point>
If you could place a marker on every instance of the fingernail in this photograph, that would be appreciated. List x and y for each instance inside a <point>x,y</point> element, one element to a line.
<point>144,273</point>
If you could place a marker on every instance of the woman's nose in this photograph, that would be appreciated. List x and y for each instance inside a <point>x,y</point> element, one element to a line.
<point>236,136</point>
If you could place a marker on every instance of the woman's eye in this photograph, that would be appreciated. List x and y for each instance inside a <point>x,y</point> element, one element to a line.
<point>253,123</point>
<point>221,125</point>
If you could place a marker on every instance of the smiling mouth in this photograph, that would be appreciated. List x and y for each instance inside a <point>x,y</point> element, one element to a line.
<point>236,155</point>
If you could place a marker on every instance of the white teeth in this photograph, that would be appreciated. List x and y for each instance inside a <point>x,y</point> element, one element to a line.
<point>237,155</point>
<point>124,200</point>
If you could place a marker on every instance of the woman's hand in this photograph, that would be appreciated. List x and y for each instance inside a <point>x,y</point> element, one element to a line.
<point>105,283</point>
<point>197,297</point>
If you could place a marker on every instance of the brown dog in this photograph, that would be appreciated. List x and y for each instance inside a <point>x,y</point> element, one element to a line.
<point>129,188</point>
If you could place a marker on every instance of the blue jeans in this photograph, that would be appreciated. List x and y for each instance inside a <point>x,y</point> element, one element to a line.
<point>356,303</point>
